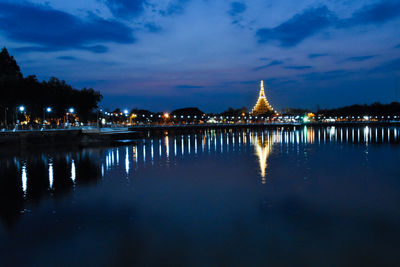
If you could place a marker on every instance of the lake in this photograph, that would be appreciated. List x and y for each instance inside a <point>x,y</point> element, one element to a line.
<point>302,196</point>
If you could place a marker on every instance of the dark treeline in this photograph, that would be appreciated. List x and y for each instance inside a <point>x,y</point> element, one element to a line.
<point>235,112</point>
<point>375,109</point>
<point>36,96</point>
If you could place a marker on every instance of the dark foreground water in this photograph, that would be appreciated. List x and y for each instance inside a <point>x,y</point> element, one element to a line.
<point>316,197</point>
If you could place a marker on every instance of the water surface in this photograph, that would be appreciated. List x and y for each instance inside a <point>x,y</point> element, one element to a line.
<point>314,196</point>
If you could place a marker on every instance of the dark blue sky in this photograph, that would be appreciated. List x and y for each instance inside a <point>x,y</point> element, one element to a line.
<point>161,55</point>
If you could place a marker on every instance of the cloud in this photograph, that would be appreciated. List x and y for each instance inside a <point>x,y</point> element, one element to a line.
<point>360,58</point>
<point>313,20</point>
<point>125,8</point>
<point>151,27</point>
<point>272,63</point>
<point>298,67</point>
<point>327,75</point>
<point>373,14</point>
<point>67,58</point>
<point>317,55</point>
<point>27,49</point>
<point>53,30</point>
<point>174,7</point>
<point>237,8</point>
<point>298,28</point>
<point>388,67</point>
<point>187,86</point>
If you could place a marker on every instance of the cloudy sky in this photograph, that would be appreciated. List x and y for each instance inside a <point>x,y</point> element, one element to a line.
<point>161,55</point>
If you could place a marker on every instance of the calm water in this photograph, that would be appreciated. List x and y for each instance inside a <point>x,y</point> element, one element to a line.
<point>322,196</point>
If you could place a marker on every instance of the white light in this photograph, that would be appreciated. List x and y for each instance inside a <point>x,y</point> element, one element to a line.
<point>73,171</point>
<point>48,109</point>
<point>71,110</point>
<point>127,161</point>
<point>126,111</point>
<point>51,174</point>
<point>24,179</point>
<point>21,108</point>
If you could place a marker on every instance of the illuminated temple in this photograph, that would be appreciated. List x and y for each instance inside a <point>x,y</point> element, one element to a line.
<point>262,106</point>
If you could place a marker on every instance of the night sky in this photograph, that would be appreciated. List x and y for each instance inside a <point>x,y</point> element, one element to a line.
<point>162,55</point>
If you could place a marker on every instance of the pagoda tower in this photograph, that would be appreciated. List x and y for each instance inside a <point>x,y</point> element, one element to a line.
<point>262,106</point>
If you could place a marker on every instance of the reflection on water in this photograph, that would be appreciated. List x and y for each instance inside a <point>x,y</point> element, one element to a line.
<point>263,148</point>
<point>99,162</point>
<point>29,179</point>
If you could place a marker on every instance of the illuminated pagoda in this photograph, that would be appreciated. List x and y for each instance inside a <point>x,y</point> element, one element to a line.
<point>262,106</point>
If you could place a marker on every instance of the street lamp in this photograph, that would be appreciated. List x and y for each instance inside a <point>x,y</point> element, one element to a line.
<point>48,109</point>
<point>71,111</point>
<point>20,109</point>
<point>126,112</point>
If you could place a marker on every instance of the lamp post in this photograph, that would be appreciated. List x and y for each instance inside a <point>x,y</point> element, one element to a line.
<point>48,109</point>
<point>70,111</point>
<point>166,117</point>
<point>20,109</point>
<point>126,115</point>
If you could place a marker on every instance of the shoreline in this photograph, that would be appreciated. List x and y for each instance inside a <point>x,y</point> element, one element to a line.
<point>114,136</point>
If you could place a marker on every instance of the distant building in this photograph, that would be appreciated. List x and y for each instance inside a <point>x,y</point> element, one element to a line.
<point>262,106</point>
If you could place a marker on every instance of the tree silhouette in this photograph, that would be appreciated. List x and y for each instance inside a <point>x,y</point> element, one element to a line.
<point>36,96</point>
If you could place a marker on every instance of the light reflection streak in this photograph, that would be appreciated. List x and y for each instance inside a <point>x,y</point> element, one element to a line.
<point>195,144</point>
<point>73,171</point>
<point>24,178</point>
<point>209,145</point>
<point>159,148</point>
<point>262,142</point>
<point>182,146</point>
<point>222,144</point>
<point>215,143</point>
<point>144,153</point>
<point>51,173</point>
<point>117,156</point>
<point>188,144</point>
<point>262,149</point>
<point>175,149</point>
<point>134,155</point>
<point>166,141</point>
<point>127,161</point>
<point>152,150</point>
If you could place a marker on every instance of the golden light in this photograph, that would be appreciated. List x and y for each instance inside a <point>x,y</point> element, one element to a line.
<point>310,115</point>
<point>133,115</point>
<point>166,115</point>
<point>262,150</point>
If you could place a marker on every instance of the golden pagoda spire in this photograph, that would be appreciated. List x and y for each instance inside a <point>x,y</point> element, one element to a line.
<point>262,93</point>
<point>262,106</point>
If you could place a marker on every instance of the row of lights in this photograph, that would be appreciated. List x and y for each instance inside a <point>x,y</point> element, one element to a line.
<point>166,115</point>
<point>48,109</point>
